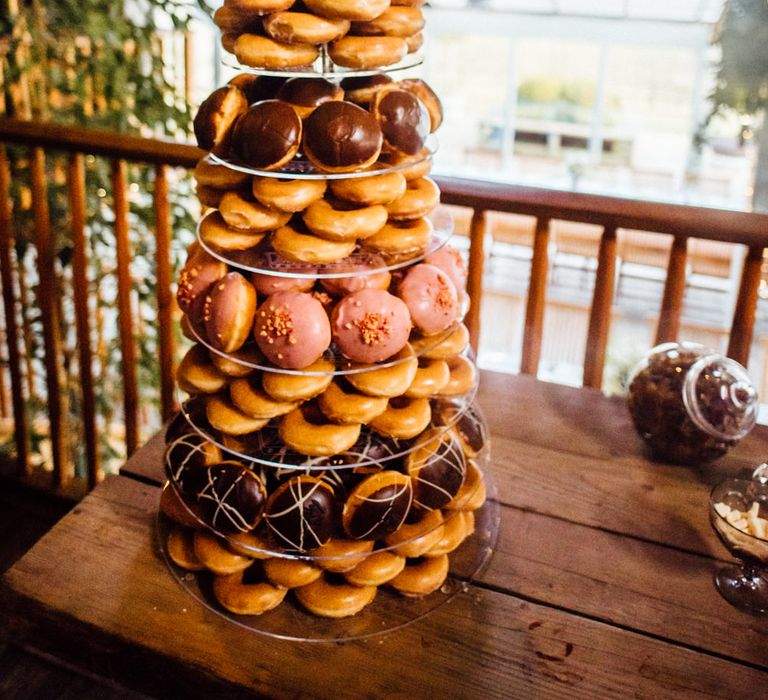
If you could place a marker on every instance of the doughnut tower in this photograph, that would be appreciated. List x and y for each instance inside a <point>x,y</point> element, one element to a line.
<point>328,457</point>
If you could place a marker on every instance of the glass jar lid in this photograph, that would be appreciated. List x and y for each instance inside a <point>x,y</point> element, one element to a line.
<point>720,397</point>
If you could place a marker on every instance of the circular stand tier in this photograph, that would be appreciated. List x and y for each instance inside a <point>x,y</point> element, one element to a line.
<point>389,610</point>
<point>361,262</point>
<point>265,448</point>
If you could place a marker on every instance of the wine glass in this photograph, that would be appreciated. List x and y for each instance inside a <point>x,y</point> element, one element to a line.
<point>743,585</point>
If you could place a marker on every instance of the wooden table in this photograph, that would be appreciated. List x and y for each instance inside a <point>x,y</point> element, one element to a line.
<point>600,586</point>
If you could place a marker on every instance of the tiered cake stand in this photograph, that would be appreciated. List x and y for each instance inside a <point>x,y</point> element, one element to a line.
<point>441,501</point>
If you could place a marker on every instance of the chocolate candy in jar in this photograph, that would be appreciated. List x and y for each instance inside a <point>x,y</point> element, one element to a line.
<point>691,404</point>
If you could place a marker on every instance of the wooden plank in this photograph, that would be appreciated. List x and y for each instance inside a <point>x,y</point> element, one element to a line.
<point>534,312</point>
<point>166,346</point>
<point>743,325</point>
<point>49,316</point>
<point>146,464</point>
<point>674,291</point>
<point>600,314</point>
<point>21,438</point>
<point>132,620</point>
<point>477,231</point>
<point>125,310</point>
<point>80,287</point>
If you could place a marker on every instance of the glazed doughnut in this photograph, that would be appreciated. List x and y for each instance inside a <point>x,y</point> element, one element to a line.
<point>341,286</point>
<point>340,555</point>
<point>428,98</point>
<point>403,419</point>
<point>224,416</point>
<point>411,167</point>
<point>367,52</point>
<point>307,431</point>
<point>258,87</point>
<point>219,177</point>
<point>408,3</point>
<point>239,363</point>
<point>377,569</point>
<point>337,221</point>
<point>195,279</point>
<point>431,377</point>
<point>437,468</point>
<point>296,244</point>
<point>414,42</point>
<point>172,505</point>
<point>246,592</point>
<point>387,381</point>
<point>378,505</point>
<point>401,237</point>
<point>340,137</point>
<point>236,21</point>
<point>421,197</point>
<point>342,404</point>
<point>376,189</point>
<point>196,373</point>
<point>242,215</point>
<point>394,21</point>
<point>307,94</point>
<point>462,379</point>
<point>312,381</point>
<point>215,556</point>
<point>415,539</point>
<point>251,399</point>
<point>357,10</point>
<point>267,285</point>
<point>453,345</point>
<point>290,573</point>
<point>255,544</point>
<point>326,598</point>
<point>264,52</point>
<point>216,116</point>
<point>228,40</point>
<point>304,28</point>
<point>287,195</point>
<point>422,576</point>
<point>228,312</point>
<point>209,197</point>
<point>456,528</point>
<point>214,232</point>
<point>181,549</point>
<point>259,7</point>
<point>431,298</point>
<point>471,495</point>
<point>361,90</point>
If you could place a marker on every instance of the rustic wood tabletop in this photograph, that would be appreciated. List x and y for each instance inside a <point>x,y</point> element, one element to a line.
<point>600,584</point>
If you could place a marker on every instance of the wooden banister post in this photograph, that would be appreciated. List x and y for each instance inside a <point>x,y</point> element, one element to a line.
<point>743,324</point>
<point>537,287</point>
<point>477,230</point>
<point>674,291</point>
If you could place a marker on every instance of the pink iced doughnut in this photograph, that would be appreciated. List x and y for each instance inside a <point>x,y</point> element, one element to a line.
<point>292,329</point>
<point>449,260</point>
<point>370,325</point>
<point>269,284</point>
<point>430,297</point>
<point>341,286</point>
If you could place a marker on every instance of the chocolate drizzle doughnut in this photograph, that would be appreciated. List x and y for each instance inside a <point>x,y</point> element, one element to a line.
<point>437,469</point>
<point>232,498</point>
<point>378,505</point>
<point>187,461</point>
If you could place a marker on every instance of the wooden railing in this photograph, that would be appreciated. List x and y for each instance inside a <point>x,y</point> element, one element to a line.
<point>681,222</point>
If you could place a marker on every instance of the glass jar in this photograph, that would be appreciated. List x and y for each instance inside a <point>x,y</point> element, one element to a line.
<point>691,404</point>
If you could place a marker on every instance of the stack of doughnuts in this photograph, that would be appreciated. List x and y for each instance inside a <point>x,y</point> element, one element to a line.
<point>356,34</point>
<point>327,445</point>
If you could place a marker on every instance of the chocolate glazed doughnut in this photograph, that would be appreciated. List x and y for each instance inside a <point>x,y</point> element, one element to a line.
<point>268,135</point>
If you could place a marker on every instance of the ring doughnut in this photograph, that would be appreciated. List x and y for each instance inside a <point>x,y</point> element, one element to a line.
<point>181,549</point>
<point>246,592</point>
<point>287,195</point>
<point>172,506</point>
<point>326,598</point>
<point>401,237</point>
<point>259,7</point>
<point>414,42</point>
<point>415,539</point>
<point>342,404</point>
<point>422,576</point>
<point>428,98</point>
<point>431,298</point>
<point>379,568</point>
<point>367,52</point>
<point>387,381</point>
<point>215,556</point>
<point>403,418</point>
<point>228,40</point>
<point>408,3</point>
<point>297,245</point>
<point>361,89</point>
<point>224,416</point>
<point>242,215</point>
<point>340,555</point>
<point>462,377</point>
<point>437,468</point>
<point>338,221</point>
<point>239,363</point>
<point>394,21</point>
<point>378,505</point>
<point>470,428</point>
<point>307,431</point>
<point>357,10</point>
<point>411,167</point>
<point>290,573</point>
<point>231,20</point>
<point>196,373</point>
<point>264,52</point>
<point>254,544</point>
<point>208,196</point>
<point>376,189</point>
<point>195,279</point>
<point>452,346</point>
<point>421,197</point>
<point>471,495</point>
<point>251,399</point>
<point>219,177</point>
<point>431,377</point>
<point>214,232</point>
<point>229,311</point>
<point>457,527</point>
<point>304,28</point>
<point>266,284</point>
<point>298,387</point>
<point>216,116</point>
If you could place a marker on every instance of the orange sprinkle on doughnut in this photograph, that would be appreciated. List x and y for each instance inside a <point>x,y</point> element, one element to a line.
<point>373,328</point>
